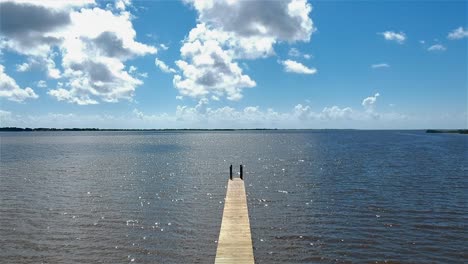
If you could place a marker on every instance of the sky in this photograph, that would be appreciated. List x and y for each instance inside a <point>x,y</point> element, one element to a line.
<point>234,64</point>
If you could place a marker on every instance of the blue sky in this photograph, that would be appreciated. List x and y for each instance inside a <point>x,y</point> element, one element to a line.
<point>231,64</point>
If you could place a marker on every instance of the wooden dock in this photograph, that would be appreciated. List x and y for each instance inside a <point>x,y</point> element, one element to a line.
<point>235,241</point>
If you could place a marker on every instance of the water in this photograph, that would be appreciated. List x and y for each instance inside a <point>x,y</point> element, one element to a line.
<point>157,197</point>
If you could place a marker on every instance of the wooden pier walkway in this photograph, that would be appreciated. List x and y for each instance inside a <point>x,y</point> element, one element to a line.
<point>235,241</point>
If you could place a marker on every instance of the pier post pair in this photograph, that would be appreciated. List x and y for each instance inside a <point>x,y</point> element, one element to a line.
<point>241,172</point>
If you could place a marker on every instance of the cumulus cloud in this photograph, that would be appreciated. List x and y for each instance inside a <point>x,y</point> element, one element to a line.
<point>369,104</point>
<point>65,95</point>
<point>380,65</point>
<point>45,63</point>
<point>398,37</point>
<point>23,67</point>
<point>302,112</point>
<point>336,112</point>
<point>10,90</point>
<point>133,70</point>
<point>27,18</point>
<point>163,66</point>
<point>207,68</point>
<point>201,115</point>
<point>370,101</point>
<point>300,116</point>
<point>94,52</point>
<point>297,67</point>
<point>437,47</point>
<point>122,4</point>
<point>283,20</point>
<point>250,116</point>
<point>91,44</point>
<point>27,25</point>
<point>458,33</point>
<point>42,84</point>
<point>228,31</point>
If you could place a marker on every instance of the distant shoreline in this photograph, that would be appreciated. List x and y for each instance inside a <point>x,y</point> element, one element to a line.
<point>452,131</point>
<point>46,129</point>
<point>39,129</point>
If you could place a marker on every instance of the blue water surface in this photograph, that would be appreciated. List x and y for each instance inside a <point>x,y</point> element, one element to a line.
<point>317,196</point>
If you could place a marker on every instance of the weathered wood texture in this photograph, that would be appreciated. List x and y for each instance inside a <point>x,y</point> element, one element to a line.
<point>235,241</point>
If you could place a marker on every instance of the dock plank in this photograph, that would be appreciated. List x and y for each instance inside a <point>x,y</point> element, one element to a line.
<point>235,241</point>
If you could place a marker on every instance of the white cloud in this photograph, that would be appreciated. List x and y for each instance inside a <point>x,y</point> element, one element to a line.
<point>294,52</point>
<point>227,117</point>
<point>296,67</point>
<point>51,69</point>
<point>458,33</point>
<point>283,20</point>
<point>55,6</point>
<point>228,31</point>
<point>91,45</point>
<point>437,47</point>
<point>42,84</point>
<point>10,90</point>
<point>163,46</point>
<point>163,67</point>
<point>207,68</point>
<point>45,63</point>
<point>23,67</point>
<point>336,112</point>
<point>202,115</point>
<point>369,102</point>
<point>302,112</point>
<point>65,95</point>
<point>133,70</point>
<point>38,20</point>
<point>300,116</point>
<point>380,65</point>
<point>122,4</point>
<point>398,37</point>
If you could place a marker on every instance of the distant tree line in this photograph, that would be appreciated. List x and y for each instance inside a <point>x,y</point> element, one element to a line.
<point>46,129</point>
<point>20,129</point>
<point>456,131</point>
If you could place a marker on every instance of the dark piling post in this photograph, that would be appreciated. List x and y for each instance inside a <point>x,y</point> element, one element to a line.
<point>241,172</point>
<point>230,172</point>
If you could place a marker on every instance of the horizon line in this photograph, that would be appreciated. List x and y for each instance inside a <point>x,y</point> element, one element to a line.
<point>45,129</point>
